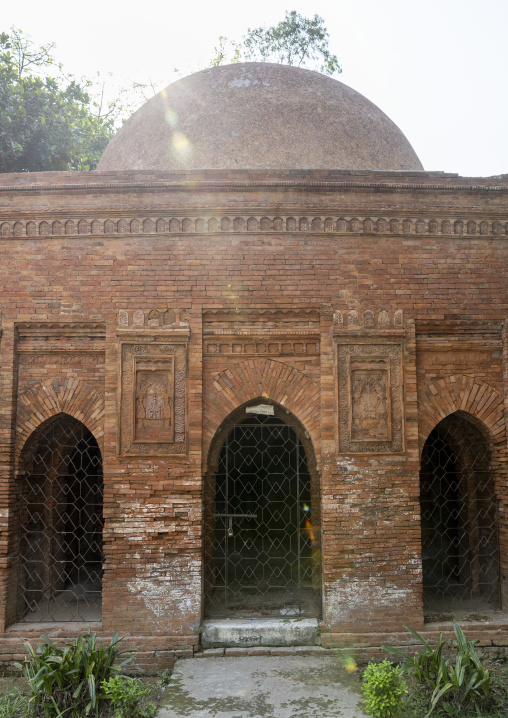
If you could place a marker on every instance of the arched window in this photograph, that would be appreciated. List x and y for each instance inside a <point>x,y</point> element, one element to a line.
<point>60,538</point>
<point>460,549</point>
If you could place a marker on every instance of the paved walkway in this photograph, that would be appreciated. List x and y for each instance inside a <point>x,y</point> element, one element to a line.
<point>312,686</point>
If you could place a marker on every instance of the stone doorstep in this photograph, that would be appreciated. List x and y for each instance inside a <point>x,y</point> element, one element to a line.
<point>265,651</point>
<point>245,634</point>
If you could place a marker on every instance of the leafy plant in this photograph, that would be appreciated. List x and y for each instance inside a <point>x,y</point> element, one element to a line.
<point>468,679</point>
<point>149,710</point>
<point>427,663</point>
<point>383,688</point>
<point>165,677</point>
<point>66,681</point>
<point>125,695</point>
<point>458,684</point>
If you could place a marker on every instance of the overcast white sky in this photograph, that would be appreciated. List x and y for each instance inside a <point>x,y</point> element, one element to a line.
<point>438,68</point>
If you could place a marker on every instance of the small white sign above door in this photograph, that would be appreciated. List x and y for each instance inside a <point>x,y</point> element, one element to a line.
<point>266,409</point>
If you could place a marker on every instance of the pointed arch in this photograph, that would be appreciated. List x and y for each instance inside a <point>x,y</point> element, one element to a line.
<point>55,396</point>
<point>239,414</point>
<point>267,378</point>
<point>461,393</point>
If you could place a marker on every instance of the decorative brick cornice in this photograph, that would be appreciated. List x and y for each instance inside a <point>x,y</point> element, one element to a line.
<point>61,329</point>
<point>242,224</point>
<point>253,184</point>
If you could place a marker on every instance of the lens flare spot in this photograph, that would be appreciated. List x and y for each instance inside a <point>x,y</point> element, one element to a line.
<point>171,118</point>
<point>309,530</point>
<point>349,664</point>
<point>181,147</point>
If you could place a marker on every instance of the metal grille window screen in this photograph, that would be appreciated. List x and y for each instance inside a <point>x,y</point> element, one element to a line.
<point>460,549</point>
<point>262,545</point>
<point>61,526</point>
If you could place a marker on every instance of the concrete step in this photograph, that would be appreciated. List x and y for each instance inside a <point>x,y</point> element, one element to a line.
<point>247,632</point>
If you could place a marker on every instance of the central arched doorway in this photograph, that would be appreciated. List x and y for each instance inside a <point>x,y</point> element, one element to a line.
<point>262,550</point>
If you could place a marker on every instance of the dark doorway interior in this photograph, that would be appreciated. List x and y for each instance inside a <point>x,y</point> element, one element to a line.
<point>60,575</point>
<point>460,549</point>
<point>261,533</point>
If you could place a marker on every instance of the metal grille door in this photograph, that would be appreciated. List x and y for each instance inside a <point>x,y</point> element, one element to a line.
<point>460,549</point>
<point>61,526</point>
<point>262,545</point>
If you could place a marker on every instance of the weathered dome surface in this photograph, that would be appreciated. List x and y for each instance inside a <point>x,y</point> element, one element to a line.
<point>259,116</point>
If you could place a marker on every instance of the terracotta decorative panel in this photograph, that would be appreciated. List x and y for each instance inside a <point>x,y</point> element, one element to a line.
<point>154,390</point>
<point>153,399</point>
<point>370,398</point>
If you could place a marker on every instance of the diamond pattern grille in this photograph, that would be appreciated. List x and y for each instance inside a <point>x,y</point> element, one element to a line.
<point>61,526</point>
<point>261,546</point>
<point>460,550</point>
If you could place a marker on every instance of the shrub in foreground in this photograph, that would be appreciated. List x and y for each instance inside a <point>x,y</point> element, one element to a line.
<point>125,694</point>
<point>383,688</point>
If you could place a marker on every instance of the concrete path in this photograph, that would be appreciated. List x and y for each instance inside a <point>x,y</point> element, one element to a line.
<point>312,686</point>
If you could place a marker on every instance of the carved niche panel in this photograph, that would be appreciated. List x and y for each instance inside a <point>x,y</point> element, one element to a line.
<point>154,393</point>
<point>153,399</point>
<point>370,398</point>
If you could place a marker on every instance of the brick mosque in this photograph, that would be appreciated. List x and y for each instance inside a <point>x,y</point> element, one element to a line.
<point>254,375</point>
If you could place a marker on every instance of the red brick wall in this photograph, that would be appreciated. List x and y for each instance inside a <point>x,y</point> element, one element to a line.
<point>398,255</point>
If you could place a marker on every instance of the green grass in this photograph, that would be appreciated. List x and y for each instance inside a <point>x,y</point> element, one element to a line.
<point>13,703</point>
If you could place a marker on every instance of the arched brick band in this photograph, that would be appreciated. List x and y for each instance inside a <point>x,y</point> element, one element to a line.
<point>264,378</point>
<point>461,393</point>
<point>54,396</point>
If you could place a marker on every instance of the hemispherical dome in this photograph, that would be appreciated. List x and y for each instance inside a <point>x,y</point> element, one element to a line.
<point>258,115</point>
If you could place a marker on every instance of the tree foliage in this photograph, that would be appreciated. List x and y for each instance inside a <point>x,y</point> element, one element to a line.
<point>226,51</point>
<point>297,40</point>
<point>48,120</point>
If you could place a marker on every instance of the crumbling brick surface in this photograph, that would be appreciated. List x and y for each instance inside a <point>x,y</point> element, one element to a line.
<point>265,275</point>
